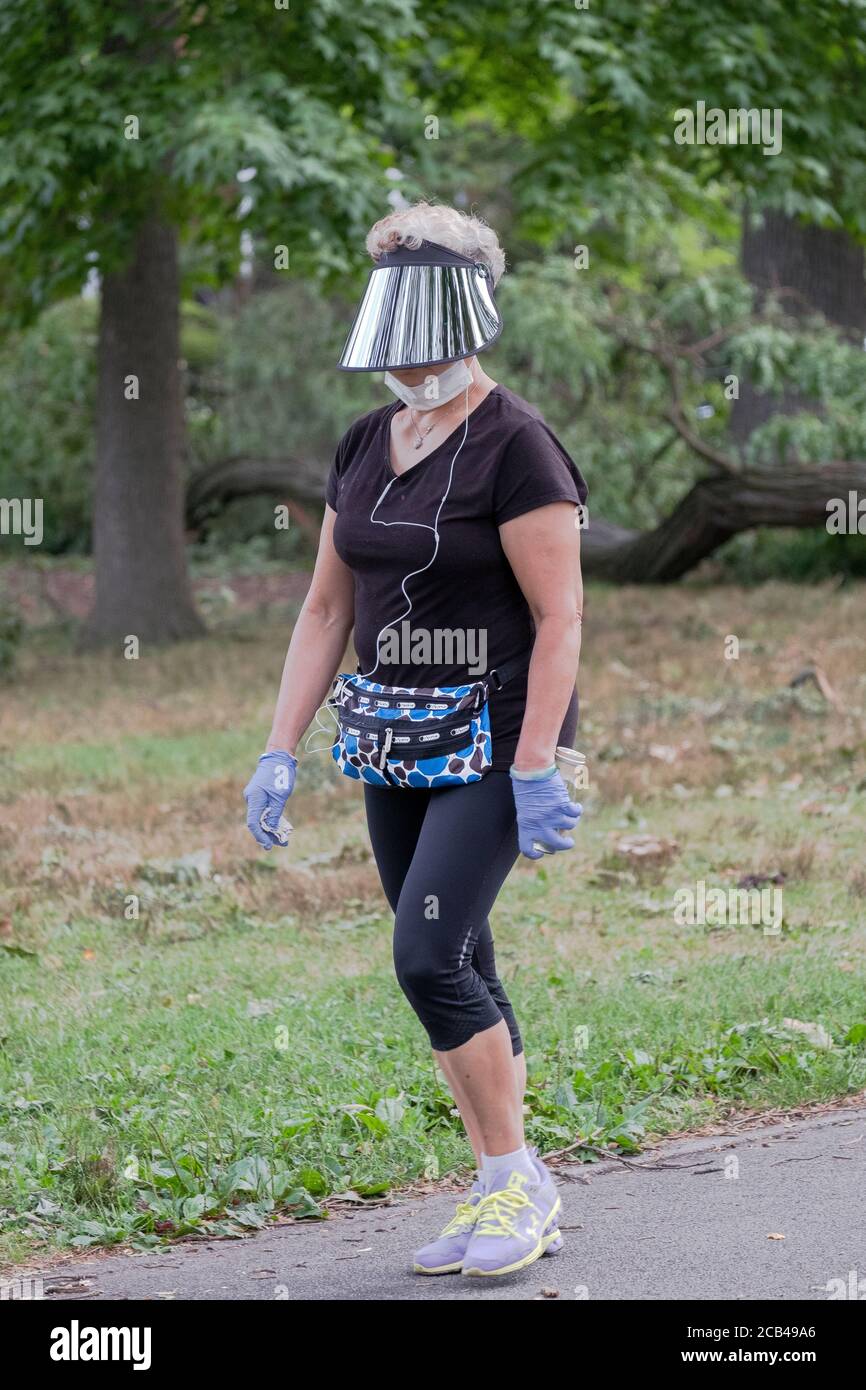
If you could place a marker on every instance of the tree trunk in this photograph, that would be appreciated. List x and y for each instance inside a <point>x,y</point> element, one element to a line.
<point>142,584</point>
<point>820,268</point>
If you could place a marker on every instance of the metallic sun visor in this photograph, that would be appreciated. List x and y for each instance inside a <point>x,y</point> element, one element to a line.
<point>422,308</point>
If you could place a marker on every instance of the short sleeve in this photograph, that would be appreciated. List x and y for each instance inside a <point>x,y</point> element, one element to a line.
<point>332,487</point>
<point>534,470</point>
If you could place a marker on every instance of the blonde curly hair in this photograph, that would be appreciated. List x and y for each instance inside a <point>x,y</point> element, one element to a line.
<point>459,231</point>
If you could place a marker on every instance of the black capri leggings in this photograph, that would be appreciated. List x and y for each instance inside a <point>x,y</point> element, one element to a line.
<point>443,856</point>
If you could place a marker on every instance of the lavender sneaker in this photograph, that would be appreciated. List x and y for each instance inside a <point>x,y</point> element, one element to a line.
<point>445,1255</point>
<point>515,1223</point>
<point>553,1239</point>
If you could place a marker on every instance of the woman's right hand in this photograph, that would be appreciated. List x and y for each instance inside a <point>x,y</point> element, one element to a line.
<point>266,794</point>
<point>545,814</point>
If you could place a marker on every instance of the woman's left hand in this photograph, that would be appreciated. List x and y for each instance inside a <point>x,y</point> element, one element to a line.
<point>543,812</point>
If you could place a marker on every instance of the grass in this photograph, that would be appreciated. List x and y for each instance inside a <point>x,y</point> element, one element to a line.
<point>194,1037</point>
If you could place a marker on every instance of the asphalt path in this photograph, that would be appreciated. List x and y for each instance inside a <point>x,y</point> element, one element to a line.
<point>768,1212</point>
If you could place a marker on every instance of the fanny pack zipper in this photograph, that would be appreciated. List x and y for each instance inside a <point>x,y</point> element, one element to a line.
<point>386,744</point>
<point>473,699</point>
<point>413,748</point>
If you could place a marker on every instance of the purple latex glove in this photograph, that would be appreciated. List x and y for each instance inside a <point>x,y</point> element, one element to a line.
<point>543,810</point>
<point>267,792</point>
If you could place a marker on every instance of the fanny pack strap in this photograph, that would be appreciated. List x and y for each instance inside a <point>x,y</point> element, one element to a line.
<point>499,676</point>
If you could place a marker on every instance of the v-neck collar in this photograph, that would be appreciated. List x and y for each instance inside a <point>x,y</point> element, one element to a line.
<point>391,411</point>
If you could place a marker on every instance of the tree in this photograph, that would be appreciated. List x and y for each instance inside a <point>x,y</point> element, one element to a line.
<point>152,125</point>
<point>804,67</point>
<point>587,146</point>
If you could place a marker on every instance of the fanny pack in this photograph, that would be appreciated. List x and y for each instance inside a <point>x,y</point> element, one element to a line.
<point>394,736</point>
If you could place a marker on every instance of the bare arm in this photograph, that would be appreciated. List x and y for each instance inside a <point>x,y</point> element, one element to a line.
<point>318,643</point>
<point>543,549</point>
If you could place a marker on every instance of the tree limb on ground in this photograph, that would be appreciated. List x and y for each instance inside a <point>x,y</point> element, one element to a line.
<point>713,511</point>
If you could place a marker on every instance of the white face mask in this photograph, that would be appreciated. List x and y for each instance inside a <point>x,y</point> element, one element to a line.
<point>434,390</point>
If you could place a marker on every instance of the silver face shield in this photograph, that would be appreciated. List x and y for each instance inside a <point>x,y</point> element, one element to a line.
<point>422,308</point>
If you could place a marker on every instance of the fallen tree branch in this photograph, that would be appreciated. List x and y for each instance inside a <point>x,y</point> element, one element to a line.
<point>713,511</point>
<point>213,488</point>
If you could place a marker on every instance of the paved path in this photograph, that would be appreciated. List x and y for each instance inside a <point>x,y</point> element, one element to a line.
<point>672,1226</point>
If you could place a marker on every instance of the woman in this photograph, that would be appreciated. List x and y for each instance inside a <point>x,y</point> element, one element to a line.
<point>450,512</point>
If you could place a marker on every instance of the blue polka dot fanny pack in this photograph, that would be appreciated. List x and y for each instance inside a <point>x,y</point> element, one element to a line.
<point>393,736</point>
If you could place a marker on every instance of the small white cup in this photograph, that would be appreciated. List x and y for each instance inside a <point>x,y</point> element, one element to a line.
<point>569,762</point>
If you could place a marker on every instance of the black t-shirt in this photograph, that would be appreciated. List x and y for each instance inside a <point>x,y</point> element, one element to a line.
<point>468,597</point>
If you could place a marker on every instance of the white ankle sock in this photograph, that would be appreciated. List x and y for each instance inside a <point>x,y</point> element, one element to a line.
<point>520,1160</point>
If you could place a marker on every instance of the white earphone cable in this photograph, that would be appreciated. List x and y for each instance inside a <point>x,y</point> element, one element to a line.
<point>319,726</point>
<point>424,527</point>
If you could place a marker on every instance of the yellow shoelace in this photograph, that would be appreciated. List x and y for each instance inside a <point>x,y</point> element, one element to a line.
<point>497,1211</point>
<point>463,1218</point>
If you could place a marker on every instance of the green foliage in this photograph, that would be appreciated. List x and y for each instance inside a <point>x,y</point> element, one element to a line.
<point>200,338</point>
<point>286,123</point>
<point>584,348</point>
<point>315,102</point>
<point>590,98</point>
<point>801,557</point>
<point>613,1100</point>
<point>48,408</point>
<point>48,405</point>
<point>275,392</point>
<point>242,539</point>
<point>294,97</point>
<point>818,365</point>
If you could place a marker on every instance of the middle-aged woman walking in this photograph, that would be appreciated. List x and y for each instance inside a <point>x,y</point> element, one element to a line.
<point>450,544</point>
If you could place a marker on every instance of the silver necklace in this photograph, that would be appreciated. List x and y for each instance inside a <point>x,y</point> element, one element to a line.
<point>421,437</point>
<point>433,424</point>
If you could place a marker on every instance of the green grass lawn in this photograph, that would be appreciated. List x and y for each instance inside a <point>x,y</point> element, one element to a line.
<point>195,1036</point>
